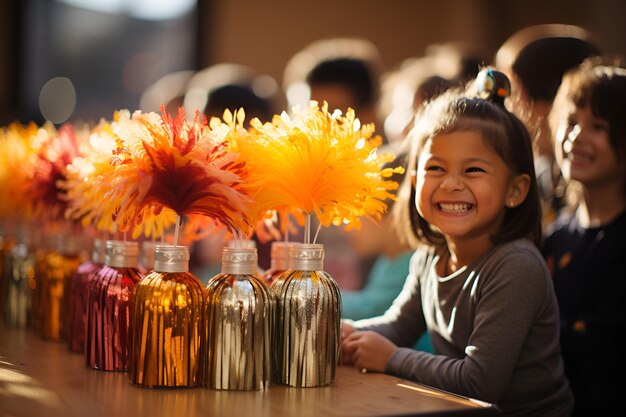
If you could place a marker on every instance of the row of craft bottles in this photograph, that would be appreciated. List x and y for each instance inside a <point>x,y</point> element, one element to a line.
<point>241,332</point>
<point>34,281</point>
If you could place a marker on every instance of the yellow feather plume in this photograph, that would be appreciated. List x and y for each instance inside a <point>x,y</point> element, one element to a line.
<point>324,164</point>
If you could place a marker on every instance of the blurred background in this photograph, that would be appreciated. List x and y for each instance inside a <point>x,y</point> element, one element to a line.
<point>74,60</point>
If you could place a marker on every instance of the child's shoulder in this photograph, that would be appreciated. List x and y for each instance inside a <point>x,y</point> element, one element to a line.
<point>519,255</point>
<point>423,258</point>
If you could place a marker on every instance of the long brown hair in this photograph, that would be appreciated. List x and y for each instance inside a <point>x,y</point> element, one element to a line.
<point>502,132</point>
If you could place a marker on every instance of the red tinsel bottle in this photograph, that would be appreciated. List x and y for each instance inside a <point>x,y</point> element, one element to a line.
<point>108,309</point>
<point>78,297</point>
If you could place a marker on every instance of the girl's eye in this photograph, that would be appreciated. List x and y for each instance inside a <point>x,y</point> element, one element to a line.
<point>474,169</point>
<point>433,168</point>
<point>601,125</point>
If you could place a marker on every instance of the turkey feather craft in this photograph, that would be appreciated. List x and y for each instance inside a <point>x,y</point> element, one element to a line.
<point>322,164</point>
<point>165,163</point>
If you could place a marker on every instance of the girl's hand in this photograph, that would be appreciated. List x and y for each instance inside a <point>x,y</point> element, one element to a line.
<point>367,350</point>
<point>346,329</point>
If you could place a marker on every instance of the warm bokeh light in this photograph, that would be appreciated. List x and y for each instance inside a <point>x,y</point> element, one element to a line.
<point>57,99</point>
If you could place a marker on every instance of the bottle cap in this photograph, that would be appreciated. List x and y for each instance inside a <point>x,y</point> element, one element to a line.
<point>306,257</point>
<point>280,256</point>
<point>148,254</point>
<point>98,251</point>
<point>168,258</point>
<point>121,254</point>
<point>239,261</point>
<point>69,244</point>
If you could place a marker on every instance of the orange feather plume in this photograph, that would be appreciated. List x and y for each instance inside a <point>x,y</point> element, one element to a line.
<point>168,164</point>
<point>324,164</point>
<point>16,151</point>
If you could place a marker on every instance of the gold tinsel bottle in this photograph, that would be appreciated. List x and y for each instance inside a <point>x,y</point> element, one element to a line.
<point>110,291</point>
<point>167,313</point>
<point>60,265</point>
<point>236,325</point>
<point>307,328</point>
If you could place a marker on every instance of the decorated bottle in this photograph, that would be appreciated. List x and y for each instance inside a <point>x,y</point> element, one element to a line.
<point>307,328</point>
<point>110,293</point>
<point>60,265</point>
<point>78,287</point>
<point>236,325</point>
<point>279,262</point>
<point>19,281</point>
<point>167,314</point>
<point>146,257</point>
<point>7,242</point>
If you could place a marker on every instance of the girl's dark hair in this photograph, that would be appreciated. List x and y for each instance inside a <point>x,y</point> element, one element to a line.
<point>503,132</point>
<point>602,87</point>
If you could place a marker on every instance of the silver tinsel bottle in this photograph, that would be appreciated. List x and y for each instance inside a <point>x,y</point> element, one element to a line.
<point>307,328</point>
<point>236,325</point>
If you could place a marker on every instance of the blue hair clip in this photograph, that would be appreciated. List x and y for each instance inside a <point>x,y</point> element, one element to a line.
<point>493,85</point>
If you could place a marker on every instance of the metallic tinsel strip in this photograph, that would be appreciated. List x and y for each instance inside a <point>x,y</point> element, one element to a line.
<point>307,331</point>
<point>77,308</point>
<point>110,293</point>
<point>6,246</point>
<point>54,292</point>
<point>236,326</point>
<point>165,327</point>
<point>20,281</point>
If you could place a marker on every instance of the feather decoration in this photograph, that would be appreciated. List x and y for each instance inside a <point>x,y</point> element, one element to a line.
<point>90,180</point>
<point>252,151</point>
<point>163,163</point>
<point>325,164</point>
<point>16,150</point>
<point>54,151</point>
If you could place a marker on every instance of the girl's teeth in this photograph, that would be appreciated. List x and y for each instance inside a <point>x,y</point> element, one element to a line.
<point>455,208</point>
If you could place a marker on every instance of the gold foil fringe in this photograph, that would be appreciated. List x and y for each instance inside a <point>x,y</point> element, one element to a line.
<point>167,311</point>
<point>55,275</point>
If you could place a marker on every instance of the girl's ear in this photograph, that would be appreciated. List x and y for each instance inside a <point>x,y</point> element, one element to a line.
<point>518,190</point>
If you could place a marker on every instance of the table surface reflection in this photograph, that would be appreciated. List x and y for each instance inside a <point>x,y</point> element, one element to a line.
<point>42,378</point>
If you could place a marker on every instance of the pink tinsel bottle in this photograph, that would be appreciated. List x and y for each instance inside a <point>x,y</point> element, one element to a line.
<point>108,309</point>
<point>78,297</point>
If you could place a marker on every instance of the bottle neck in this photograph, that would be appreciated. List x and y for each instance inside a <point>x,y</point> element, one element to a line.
<point>171,259</point>
<point>239,261</point>
<point>121,254</point>
<point>306,257</point>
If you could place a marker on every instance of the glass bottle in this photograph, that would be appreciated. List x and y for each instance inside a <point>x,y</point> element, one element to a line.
<point>279,262</point>
<point>60,265</point>
<point>236,325</point>
<point>79,284</point>
<point>19,275</point>
<point>307,328</point>
<point>165,327</point>
<point>110,292</point>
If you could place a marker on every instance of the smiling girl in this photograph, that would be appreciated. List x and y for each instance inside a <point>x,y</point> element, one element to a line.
<point>477,282</point>
<point>586,247</point>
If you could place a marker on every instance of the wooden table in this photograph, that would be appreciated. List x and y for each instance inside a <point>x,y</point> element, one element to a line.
<point>42,378</point>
